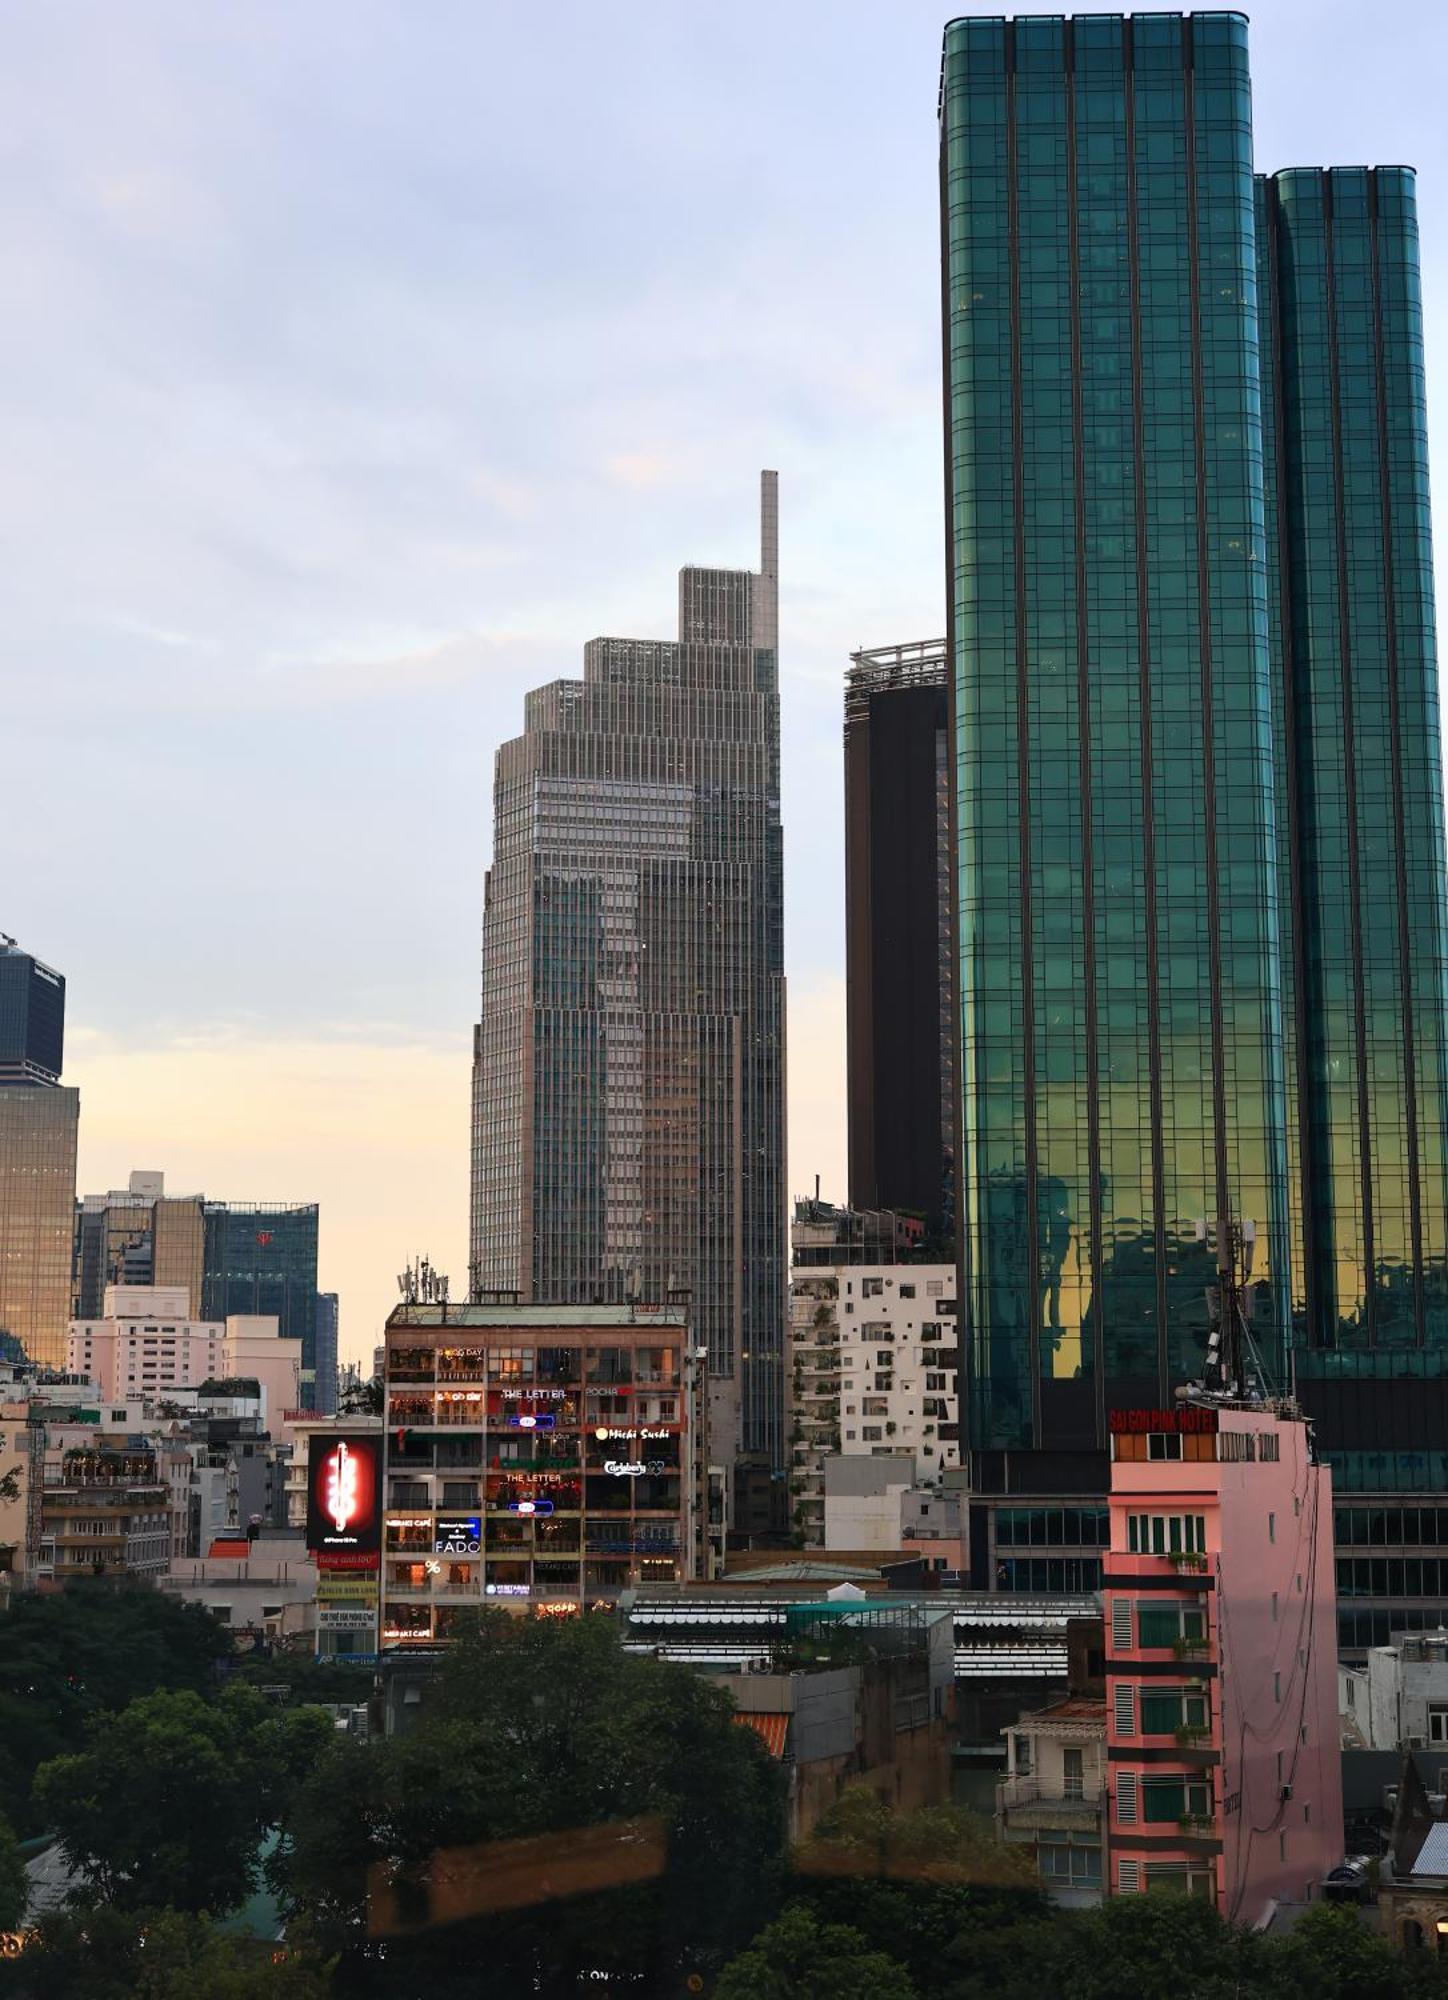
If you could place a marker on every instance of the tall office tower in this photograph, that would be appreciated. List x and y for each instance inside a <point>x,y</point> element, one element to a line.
<point>39,1118</point>
<point>628,1080</point>
<point>1119,946</point>
<point>324,1391</point>
<point>137,1235</point>
<point>32,1017</point>
<point>1361,868</point>
<point>898,948</point>
<point>260,1259</point>
<point>1200,847</point>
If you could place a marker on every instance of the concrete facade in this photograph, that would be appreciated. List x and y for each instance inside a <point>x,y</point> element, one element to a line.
<point>1222,1725</point>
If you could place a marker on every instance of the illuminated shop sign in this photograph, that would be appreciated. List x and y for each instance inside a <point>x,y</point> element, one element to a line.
<point>344,1494</point>
<point>505,1589</point>
<point>458,1535</point>
<point>535,1395</point>
<point>1184,1420</point>
<point>605,1431</point>
<point>530,1506</point>
<point>543,1422</point>
<point>631,1468</point>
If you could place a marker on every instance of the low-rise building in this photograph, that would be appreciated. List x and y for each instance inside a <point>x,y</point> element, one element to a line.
<point>1053,1797</point>
<point>105,1510</point>
<point>1407,1698</point>
<point>263,1590</point>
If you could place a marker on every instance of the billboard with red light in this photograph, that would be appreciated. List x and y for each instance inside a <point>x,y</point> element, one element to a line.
<point>344,1495</point>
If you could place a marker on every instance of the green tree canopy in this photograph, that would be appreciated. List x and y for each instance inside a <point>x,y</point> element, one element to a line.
<point>545,1727</point>
<point>799,1958</point>
<point>167,1803</point>
<point>108,1954</point>
<point>919,1886</point>
<point>82,1652</point>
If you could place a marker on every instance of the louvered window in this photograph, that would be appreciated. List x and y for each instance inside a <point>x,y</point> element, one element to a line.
<point>1123,1696</point>
<point>1126,1797</point>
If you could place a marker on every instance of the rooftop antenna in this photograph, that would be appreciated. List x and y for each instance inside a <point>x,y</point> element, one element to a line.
<point>1231,1302</point>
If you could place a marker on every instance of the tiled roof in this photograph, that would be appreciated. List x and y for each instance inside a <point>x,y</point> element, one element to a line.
<point>773,1728</point>
<point>1433,1854</point>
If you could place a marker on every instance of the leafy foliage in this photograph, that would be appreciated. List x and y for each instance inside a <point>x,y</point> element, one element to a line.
<point>80,1653</point>
<point>167,1804</point>
<point>543,1727</point>
<point>108,1954</point>
<point>799,1958</point>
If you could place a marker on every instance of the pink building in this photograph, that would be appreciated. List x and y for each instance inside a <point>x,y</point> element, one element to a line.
<point>146,1345</point>
<point>1221,1658</point>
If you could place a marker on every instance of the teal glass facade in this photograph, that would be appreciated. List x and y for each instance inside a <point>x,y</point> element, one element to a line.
<point>1119,931</point>
<point>1349,533</point>
<point>1203,943</point>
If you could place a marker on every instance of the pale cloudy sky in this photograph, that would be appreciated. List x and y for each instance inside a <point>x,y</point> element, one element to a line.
<point>358,362</point>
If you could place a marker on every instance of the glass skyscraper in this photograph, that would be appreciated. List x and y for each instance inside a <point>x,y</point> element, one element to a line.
<point>628,1106</point>
<point>1197,781</point>
<point>261,1257</point>
<point>39,1121</point>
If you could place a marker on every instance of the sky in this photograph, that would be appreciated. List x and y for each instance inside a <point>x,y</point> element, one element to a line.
<point>358,363</point>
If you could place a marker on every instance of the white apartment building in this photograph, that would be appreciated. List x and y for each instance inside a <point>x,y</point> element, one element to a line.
<point>145,1345</point>
<point>899,1354</point>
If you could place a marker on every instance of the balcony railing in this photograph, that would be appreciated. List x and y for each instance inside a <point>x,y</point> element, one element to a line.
<point>1026,1802</point>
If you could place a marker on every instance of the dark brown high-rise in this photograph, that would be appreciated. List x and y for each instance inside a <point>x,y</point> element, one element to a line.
<point>898,950</point>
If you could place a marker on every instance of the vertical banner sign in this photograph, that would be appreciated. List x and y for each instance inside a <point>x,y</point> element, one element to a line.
<point>344,1495</point>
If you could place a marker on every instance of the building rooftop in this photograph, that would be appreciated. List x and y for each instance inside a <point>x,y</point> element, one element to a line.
<point>1075,1708</point>
<point>460,1317</point>
<point>1433,1854</point>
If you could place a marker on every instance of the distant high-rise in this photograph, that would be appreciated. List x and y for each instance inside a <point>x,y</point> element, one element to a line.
<point>39,1119</point>
<point>628,1102</point>
<point>234,1258</point>
<point>1203,949</point>
<point>32,1018</point>
<point>900,985</point>
<point>324,1392</point>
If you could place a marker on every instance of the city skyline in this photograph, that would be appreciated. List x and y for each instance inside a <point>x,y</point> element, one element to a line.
<point>308,607</point>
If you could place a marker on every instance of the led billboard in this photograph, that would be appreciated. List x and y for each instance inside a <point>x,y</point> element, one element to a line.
<point>344,1495</point>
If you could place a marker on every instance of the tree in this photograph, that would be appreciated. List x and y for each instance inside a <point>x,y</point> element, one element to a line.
<point>1155,1947</point>
<point>545,1727</point>
<point>105,1954</point>
<point>798,1958</point>
<point>13,1887</point>
<point>1332,1955</point>
<point>81,1652</point>
<point>921,1887</point>
<point>167,1804</point>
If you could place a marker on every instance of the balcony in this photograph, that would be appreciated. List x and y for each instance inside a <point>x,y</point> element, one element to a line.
<point>1025,1805</point>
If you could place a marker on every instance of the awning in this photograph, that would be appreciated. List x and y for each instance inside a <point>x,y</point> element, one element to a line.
<point>773,1729</point>
<point>236,1550</point>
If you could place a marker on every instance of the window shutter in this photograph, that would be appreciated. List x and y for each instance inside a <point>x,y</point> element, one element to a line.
<point>1121,1624</point>
<point>1123,1696</point>
<point>1128,1878</point>
<point>1126,1797</point>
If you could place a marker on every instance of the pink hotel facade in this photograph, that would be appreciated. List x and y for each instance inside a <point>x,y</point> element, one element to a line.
<point>1221,1658</point>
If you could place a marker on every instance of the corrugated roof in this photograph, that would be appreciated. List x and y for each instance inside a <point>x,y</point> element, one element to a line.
<point>1433,1854</point>
<point>774,1729</point>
